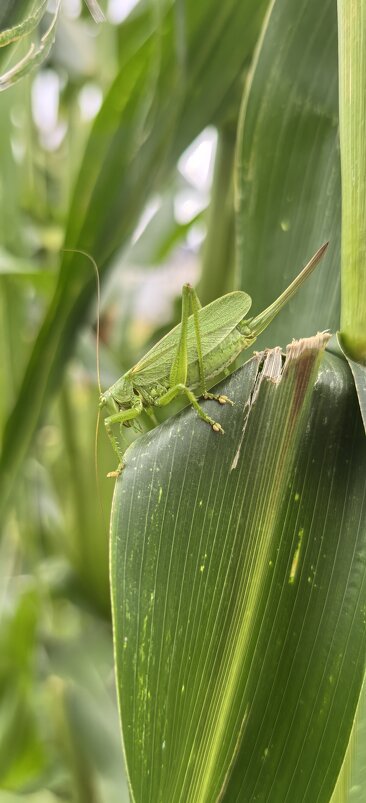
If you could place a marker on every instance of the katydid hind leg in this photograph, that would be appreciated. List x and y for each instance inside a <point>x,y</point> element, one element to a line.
<point>180,389</point>
<point>178,373</point>
<point>196,306</point>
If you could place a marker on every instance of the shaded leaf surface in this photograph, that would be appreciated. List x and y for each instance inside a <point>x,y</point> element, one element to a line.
<point>288,170</point>
<point>238,583</point>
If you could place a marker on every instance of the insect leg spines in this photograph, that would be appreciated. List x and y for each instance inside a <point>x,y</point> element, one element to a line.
<point>120,418</point>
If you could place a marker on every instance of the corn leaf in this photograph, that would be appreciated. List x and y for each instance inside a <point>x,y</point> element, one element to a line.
<point>239,588</point>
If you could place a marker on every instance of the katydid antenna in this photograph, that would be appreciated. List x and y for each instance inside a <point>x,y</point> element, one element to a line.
<point>95,266</point>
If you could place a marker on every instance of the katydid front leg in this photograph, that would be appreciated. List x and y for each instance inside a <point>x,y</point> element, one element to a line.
<point>119,418</point>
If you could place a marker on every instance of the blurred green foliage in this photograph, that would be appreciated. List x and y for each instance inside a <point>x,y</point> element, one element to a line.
<point>93,155</point>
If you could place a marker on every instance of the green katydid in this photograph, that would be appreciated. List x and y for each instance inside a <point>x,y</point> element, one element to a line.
<point>201,347</point>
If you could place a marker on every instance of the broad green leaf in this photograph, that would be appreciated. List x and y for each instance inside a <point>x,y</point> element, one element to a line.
<point>239,588</point>
<point>288,174</point>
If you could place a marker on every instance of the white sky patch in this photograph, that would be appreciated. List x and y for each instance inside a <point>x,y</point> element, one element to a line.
<point>90,100</point>
<point>71,8</point>
<point>45,100</point>
<point>118,10</point>
<point>187,204</point>
<point>196,163</point>
<point>45,107</point>
<point>157,291</point>
<point>196,235</point>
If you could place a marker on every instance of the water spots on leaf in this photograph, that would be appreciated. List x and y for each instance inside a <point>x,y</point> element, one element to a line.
<point>296,558</point>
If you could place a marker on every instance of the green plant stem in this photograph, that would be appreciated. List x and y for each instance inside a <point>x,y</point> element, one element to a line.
<point>218,256</point>
<point>352,109</point>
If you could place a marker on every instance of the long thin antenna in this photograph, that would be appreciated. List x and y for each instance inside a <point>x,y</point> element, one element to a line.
<point>96,463</point>
<point>92,260</point>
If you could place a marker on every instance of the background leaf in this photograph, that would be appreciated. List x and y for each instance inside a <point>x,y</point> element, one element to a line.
<point>136,138</point>
<point>288,172</point>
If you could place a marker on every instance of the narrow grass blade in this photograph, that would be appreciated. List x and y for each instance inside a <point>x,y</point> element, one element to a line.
<point>352,106</point>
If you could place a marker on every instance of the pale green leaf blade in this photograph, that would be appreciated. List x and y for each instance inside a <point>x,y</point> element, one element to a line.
<point>239,585</point>
<point>351,783</point>
<point>352,109</point>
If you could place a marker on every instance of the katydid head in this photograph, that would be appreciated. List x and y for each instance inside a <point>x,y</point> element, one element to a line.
<point>106,400</point>
<point>117,397</point>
